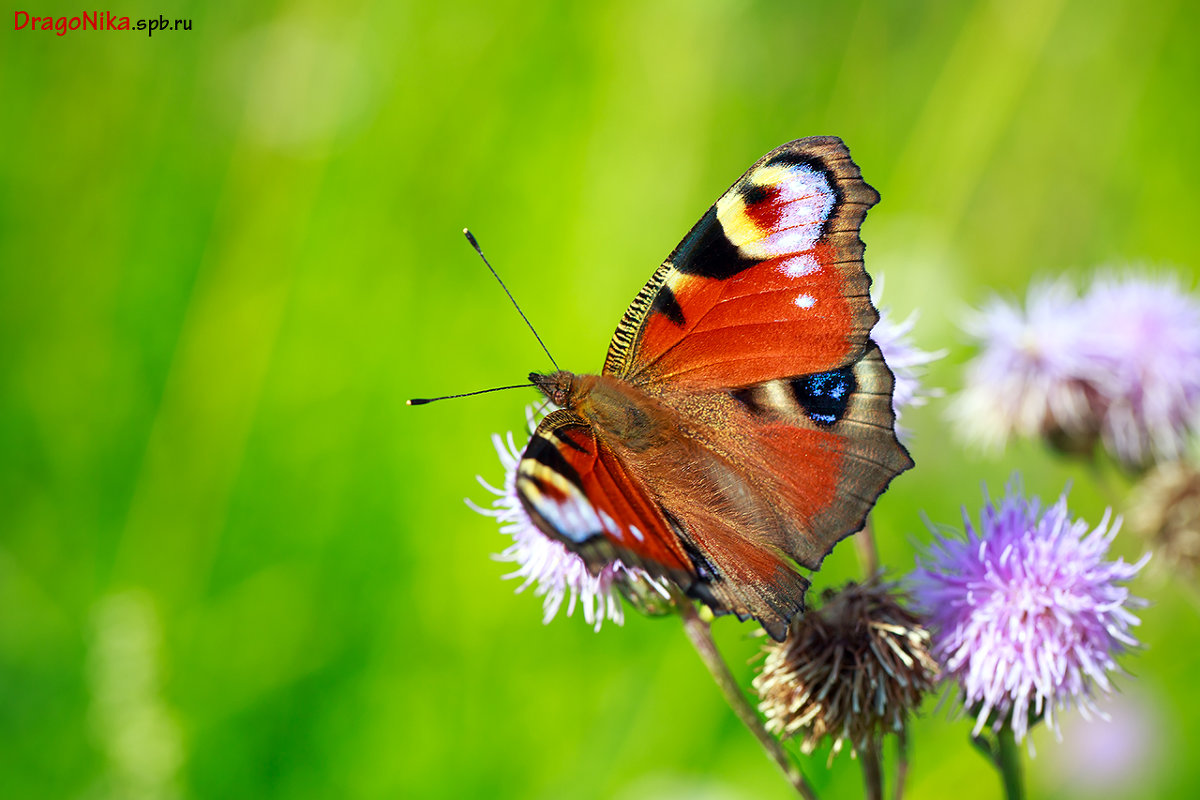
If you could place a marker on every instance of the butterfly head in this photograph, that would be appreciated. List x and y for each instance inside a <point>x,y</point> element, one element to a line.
<point>556,385</point>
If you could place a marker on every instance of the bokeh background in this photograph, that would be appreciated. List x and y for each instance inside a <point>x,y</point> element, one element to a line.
<point>234,564</point>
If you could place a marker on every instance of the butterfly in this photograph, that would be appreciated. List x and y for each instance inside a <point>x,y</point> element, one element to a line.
<point>742,424</point>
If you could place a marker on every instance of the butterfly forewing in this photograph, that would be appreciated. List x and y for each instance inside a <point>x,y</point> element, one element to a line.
<point>768,284</point>
<point>577,491</point>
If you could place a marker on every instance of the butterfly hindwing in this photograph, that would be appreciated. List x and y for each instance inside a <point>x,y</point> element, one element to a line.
<point>824,445</point>
<point>761,480</point>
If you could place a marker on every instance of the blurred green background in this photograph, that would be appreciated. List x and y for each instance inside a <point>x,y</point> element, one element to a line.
<point>234,564</point>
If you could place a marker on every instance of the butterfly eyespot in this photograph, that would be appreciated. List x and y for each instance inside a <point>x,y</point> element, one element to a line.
<point>824,396</point>
<point>610,525</point>
<point>748,397</point>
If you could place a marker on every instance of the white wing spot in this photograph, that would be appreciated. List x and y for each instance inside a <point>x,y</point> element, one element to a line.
<point>611,526</point>
<point>641,537</point>
<point>805,300</point>
<point>799,266</point>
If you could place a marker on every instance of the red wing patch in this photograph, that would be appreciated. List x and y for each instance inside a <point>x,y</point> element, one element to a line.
<point>768,284</point>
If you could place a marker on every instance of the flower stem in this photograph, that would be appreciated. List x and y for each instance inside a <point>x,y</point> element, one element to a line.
<point>868,756</point>
<point>1008,761</point>
<point>901,761</point>
<point>867,549</point>
<point>985,748</point>
<point>700,633</point>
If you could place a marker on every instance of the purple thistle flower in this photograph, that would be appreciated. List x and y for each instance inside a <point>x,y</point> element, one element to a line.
<point>906,361</point>
<point>1121,364</point>
<point>1027,614</point>
<point>556,573</point>
<point>1029,378</point>
<point>1143,347</point>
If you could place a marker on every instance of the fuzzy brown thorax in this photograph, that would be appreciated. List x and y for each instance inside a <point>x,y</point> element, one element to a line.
<point>611,406</point>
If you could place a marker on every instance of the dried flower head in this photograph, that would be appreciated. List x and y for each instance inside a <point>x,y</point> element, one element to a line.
<point>851,670</point>
<point>906,361</point>
<point>1166,510</point>
<point>556,573</point>
<point>1027,614</point>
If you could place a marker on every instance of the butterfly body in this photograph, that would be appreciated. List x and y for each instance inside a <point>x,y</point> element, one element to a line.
<point>742,424</point>
<point>614,408</point>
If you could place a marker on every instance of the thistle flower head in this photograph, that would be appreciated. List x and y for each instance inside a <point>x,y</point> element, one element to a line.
<point>1120,364</point>
<point>1028,378</point>
<point>556,574</point>
<point>1027,614</point>
<point>851,670</point>
<point>1143,349</point>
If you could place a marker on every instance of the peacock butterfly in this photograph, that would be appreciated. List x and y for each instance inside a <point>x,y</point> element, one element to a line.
<point>742,424</point>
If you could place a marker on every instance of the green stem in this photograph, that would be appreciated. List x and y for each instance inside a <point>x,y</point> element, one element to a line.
<point>700,633</point>
<point>872,771</point>
<point>901,761</point>
<point>1008,761</point>
<point>985,749</point>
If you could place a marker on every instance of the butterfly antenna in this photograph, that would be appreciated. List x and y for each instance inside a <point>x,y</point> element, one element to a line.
<point>420,401</point>
<point>475,244</point>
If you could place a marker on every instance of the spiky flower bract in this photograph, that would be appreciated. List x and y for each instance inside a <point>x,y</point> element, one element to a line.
<point>851,670</point>
<point>556,574</point>
<point>1028,615</point>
